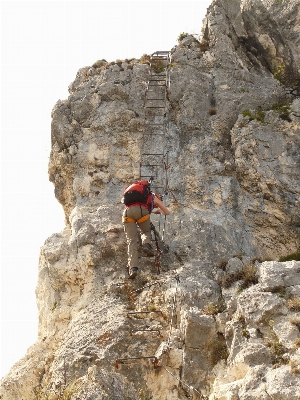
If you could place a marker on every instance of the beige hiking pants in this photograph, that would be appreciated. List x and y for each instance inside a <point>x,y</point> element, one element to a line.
<point>131,231</point>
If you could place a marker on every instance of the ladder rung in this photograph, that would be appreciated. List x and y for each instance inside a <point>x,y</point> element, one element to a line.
<point>121,360</point>
<point>157,134</point>
<point>145,312</point>
<point>161,131</point>
<point>150,165</point>
<point>155,115</point>
<point>151,123</point>
<point>155,99</point>
<point>152,154</point>
<point>160,53</point>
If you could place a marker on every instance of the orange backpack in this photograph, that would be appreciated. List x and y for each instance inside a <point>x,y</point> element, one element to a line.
<point>138,192</point>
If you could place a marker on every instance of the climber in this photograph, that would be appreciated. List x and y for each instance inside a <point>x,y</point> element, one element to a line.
<point>139,203</point>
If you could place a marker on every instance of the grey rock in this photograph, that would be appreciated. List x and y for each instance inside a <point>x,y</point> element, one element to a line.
<point>275,275</point>
<point>257,306</point>
<point>234,265</point>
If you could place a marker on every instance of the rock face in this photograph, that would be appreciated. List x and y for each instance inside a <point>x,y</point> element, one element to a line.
<point>218,323</point>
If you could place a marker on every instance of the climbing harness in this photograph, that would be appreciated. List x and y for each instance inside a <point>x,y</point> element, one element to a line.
<point>139,221</point>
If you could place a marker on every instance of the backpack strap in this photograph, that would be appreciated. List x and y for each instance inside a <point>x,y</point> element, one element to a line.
<point>139,221</point>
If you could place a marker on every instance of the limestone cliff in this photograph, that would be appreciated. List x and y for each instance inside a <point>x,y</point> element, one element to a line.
<point>220,321</point>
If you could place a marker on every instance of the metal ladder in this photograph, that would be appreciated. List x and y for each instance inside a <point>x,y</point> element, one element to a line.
<point>154,158</point>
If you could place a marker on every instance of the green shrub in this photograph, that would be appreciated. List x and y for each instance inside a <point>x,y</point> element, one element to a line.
<point>145,59</point>
<point>258,115</point>
<point>158,66</point>
<point>182,36</point>
<point>246,333</point>
<point>283,109</point>
<point>280,73</point>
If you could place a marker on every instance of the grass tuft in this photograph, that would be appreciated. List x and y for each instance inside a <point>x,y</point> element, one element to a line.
<point>295,367</point>
<point>277,350</point>
<point>222,265</point>
<point>247,275</point>
<point>290,257</point>
<point>296,322</point>
<point>293,304</point>
<point>214,308</point>
<point>204,45</point>
<point>297,344</point>
<point>218,349</point>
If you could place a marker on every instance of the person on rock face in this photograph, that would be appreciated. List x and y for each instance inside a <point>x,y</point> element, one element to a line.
<point>139,203</point>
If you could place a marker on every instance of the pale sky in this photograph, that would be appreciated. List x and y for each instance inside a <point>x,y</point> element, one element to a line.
<point>43,45</point>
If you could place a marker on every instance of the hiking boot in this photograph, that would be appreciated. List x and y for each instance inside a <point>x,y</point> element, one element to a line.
<point>147,250</point>
<point>133,273</point>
